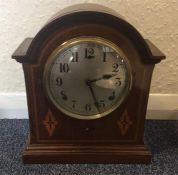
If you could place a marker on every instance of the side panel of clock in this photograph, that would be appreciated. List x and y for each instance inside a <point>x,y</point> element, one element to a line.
<point>123,125</point>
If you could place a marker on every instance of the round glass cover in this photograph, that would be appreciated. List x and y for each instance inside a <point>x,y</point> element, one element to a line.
<point>87,77</point>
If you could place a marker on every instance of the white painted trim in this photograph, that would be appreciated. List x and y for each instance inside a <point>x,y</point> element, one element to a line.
<point>13,106</point>
<point>160,106</point>
<point>163,107</point>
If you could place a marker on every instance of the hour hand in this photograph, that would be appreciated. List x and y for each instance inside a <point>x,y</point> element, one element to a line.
<point>104,77</point>
<point>108,76</point>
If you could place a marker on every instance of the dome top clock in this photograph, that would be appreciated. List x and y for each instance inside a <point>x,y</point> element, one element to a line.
<point>87,74</point>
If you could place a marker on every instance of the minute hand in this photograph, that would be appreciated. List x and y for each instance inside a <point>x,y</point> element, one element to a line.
<point>104,77</point>
<point>88,82</point>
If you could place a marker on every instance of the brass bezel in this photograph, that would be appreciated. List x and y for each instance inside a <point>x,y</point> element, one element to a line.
<point>70,43</point>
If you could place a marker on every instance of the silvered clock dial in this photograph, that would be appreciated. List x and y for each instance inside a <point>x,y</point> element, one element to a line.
<point>87,77</point>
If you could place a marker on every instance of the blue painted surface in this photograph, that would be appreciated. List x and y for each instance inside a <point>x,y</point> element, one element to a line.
<point>161,137</point>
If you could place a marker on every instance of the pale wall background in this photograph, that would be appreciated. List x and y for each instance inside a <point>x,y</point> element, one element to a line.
<point>156,20</point>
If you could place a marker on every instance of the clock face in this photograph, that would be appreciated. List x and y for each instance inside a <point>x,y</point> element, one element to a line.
<point>87,78</point>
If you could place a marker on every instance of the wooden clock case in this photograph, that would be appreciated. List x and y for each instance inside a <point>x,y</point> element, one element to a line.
<point>116,138</point>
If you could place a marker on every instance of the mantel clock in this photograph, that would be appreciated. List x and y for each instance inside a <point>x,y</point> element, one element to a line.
<point>87,75</point>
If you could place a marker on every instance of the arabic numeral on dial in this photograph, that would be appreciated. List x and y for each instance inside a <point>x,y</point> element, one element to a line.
<point>59,81</point>
<point>104,56</point>
<point>64,96</point>
<point>112,96</point>
<point>89,53</point>
<point>100,104</point>
<point>115,67</point>
<point>73,103</point>
<point>75,57</point>
<point>88,107</point>
<point>118,81</point>
<point>64,67</point>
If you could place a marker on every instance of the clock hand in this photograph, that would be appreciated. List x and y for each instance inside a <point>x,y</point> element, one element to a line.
<point>104,77</point>
<point>88,83</point>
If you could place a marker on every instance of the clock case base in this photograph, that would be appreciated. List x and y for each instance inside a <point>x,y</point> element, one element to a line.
<point>86,153</point>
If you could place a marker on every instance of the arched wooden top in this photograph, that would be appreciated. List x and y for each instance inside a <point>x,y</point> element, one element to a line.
<point>29,50</point>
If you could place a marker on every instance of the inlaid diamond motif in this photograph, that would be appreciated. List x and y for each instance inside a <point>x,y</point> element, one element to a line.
<point>124,123</point>
<point>50,123</point>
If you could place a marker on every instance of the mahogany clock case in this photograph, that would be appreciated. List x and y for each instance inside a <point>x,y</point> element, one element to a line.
<point>116,138</point>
